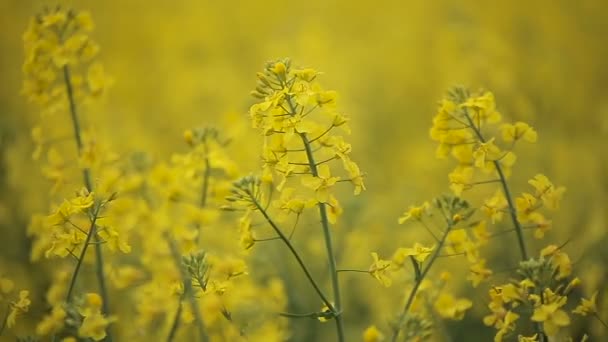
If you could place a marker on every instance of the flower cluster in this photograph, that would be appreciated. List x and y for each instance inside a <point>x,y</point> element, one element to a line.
<point>194,277</point>
<point>427,298</point>
<point>298,120</point>
<point>466,127</point>
<point>58,46</point>
<point>17,306</point>
<point>542,288</point>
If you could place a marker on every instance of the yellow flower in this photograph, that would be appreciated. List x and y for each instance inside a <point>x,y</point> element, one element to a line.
<point>478,272</point>
<point>247,239</point>
<point>114,240</point>
<point>97,80</point>
<point>512,293</point>
<point>460,179</point>
<point>279,69</point>
<point>415,212</point>
<point>306,75</point>
<point>485,155</point>
<point>559,260</point>
<point>52,322</point>
<point>94,326</point>
<point>355,175</point>
<point>484,109</point>
<point>550,195</point>
<point>322,183</point>
<point>506,325</point>
<point>57,18</point>
<point>124,276</point>
<point>419,252</point>
<point>379,270</point>
<point>532,338</point>
<point>372,334</point>
<point>551,316</point>
<point>290,204</point>
<point>587,306</point>
<point>94,323</point>
<point>84,20</point>
<point>334,210</point>
<point>19,307</point>
<point>526,205</point>
<point>449,307</point>
<point>519,130</point>
<point>495,207</point>
<point>84,201</point>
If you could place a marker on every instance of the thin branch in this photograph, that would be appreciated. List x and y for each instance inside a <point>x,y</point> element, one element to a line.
<point>507,192</point>
<point>292,250</point>
<point>99,271</point>
<point>419,277</point>
<point>188,289</point>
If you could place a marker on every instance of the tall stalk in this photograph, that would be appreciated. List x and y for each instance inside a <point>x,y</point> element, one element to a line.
<point>92,233</point>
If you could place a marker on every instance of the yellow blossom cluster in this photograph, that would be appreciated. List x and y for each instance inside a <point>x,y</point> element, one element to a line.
<point>298,120</point>
<point>58,46</point>
<point>543,288</point>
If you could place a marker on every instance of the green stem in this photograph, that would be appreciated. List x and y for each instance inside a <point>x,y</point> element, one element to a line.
<point>597,316</point>
<point>176,320</point>
<point>331,259</point>
<point>89,186</point>
<point>328,243</point>
<point>4,321</point>
<point>203,203</point>
<point>206,176</point>
<point>420,275</point>
<point>72,286</point>
<point>294,253</point>
<point>188,289</point>
<point>505,188</point>
<point>519,231</point>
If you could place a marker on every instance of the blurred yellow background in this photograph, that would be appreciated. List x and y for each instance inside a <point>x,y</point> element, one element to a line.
<point>179,64</point>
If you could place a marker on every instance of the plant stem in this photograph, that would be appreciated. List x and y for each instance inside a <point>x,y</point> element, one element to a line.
<point>89,186</point>
<point>203,203</point>
<point>176,320</point>
<point>597,316</point>
<point>87,241</point>
<point>4,321</point>
<point>188,289</point>
<point>331,259</point>
<point>507,192</point>
<point>419,278</point>
<point>294,253</point>
<point>206,176</point>
<point>328,243</point>
<point>519,231</point>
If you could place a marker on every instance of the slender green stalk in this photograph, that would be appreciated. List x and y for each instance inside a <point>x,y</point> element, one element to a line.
<point>176,320</point>
<point>507,192</point>
<point>597,316</point>
<point>295,253</point>
<point>203,203</point>
<point>188,289</point>
<point>519,231</point>
<point>420,275</point>
<point>331,259</point>
<point>89,186</point>
<point>87,241</point>
<point>335,282</point>
<point>4,321</point>
<point>206,176</point>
